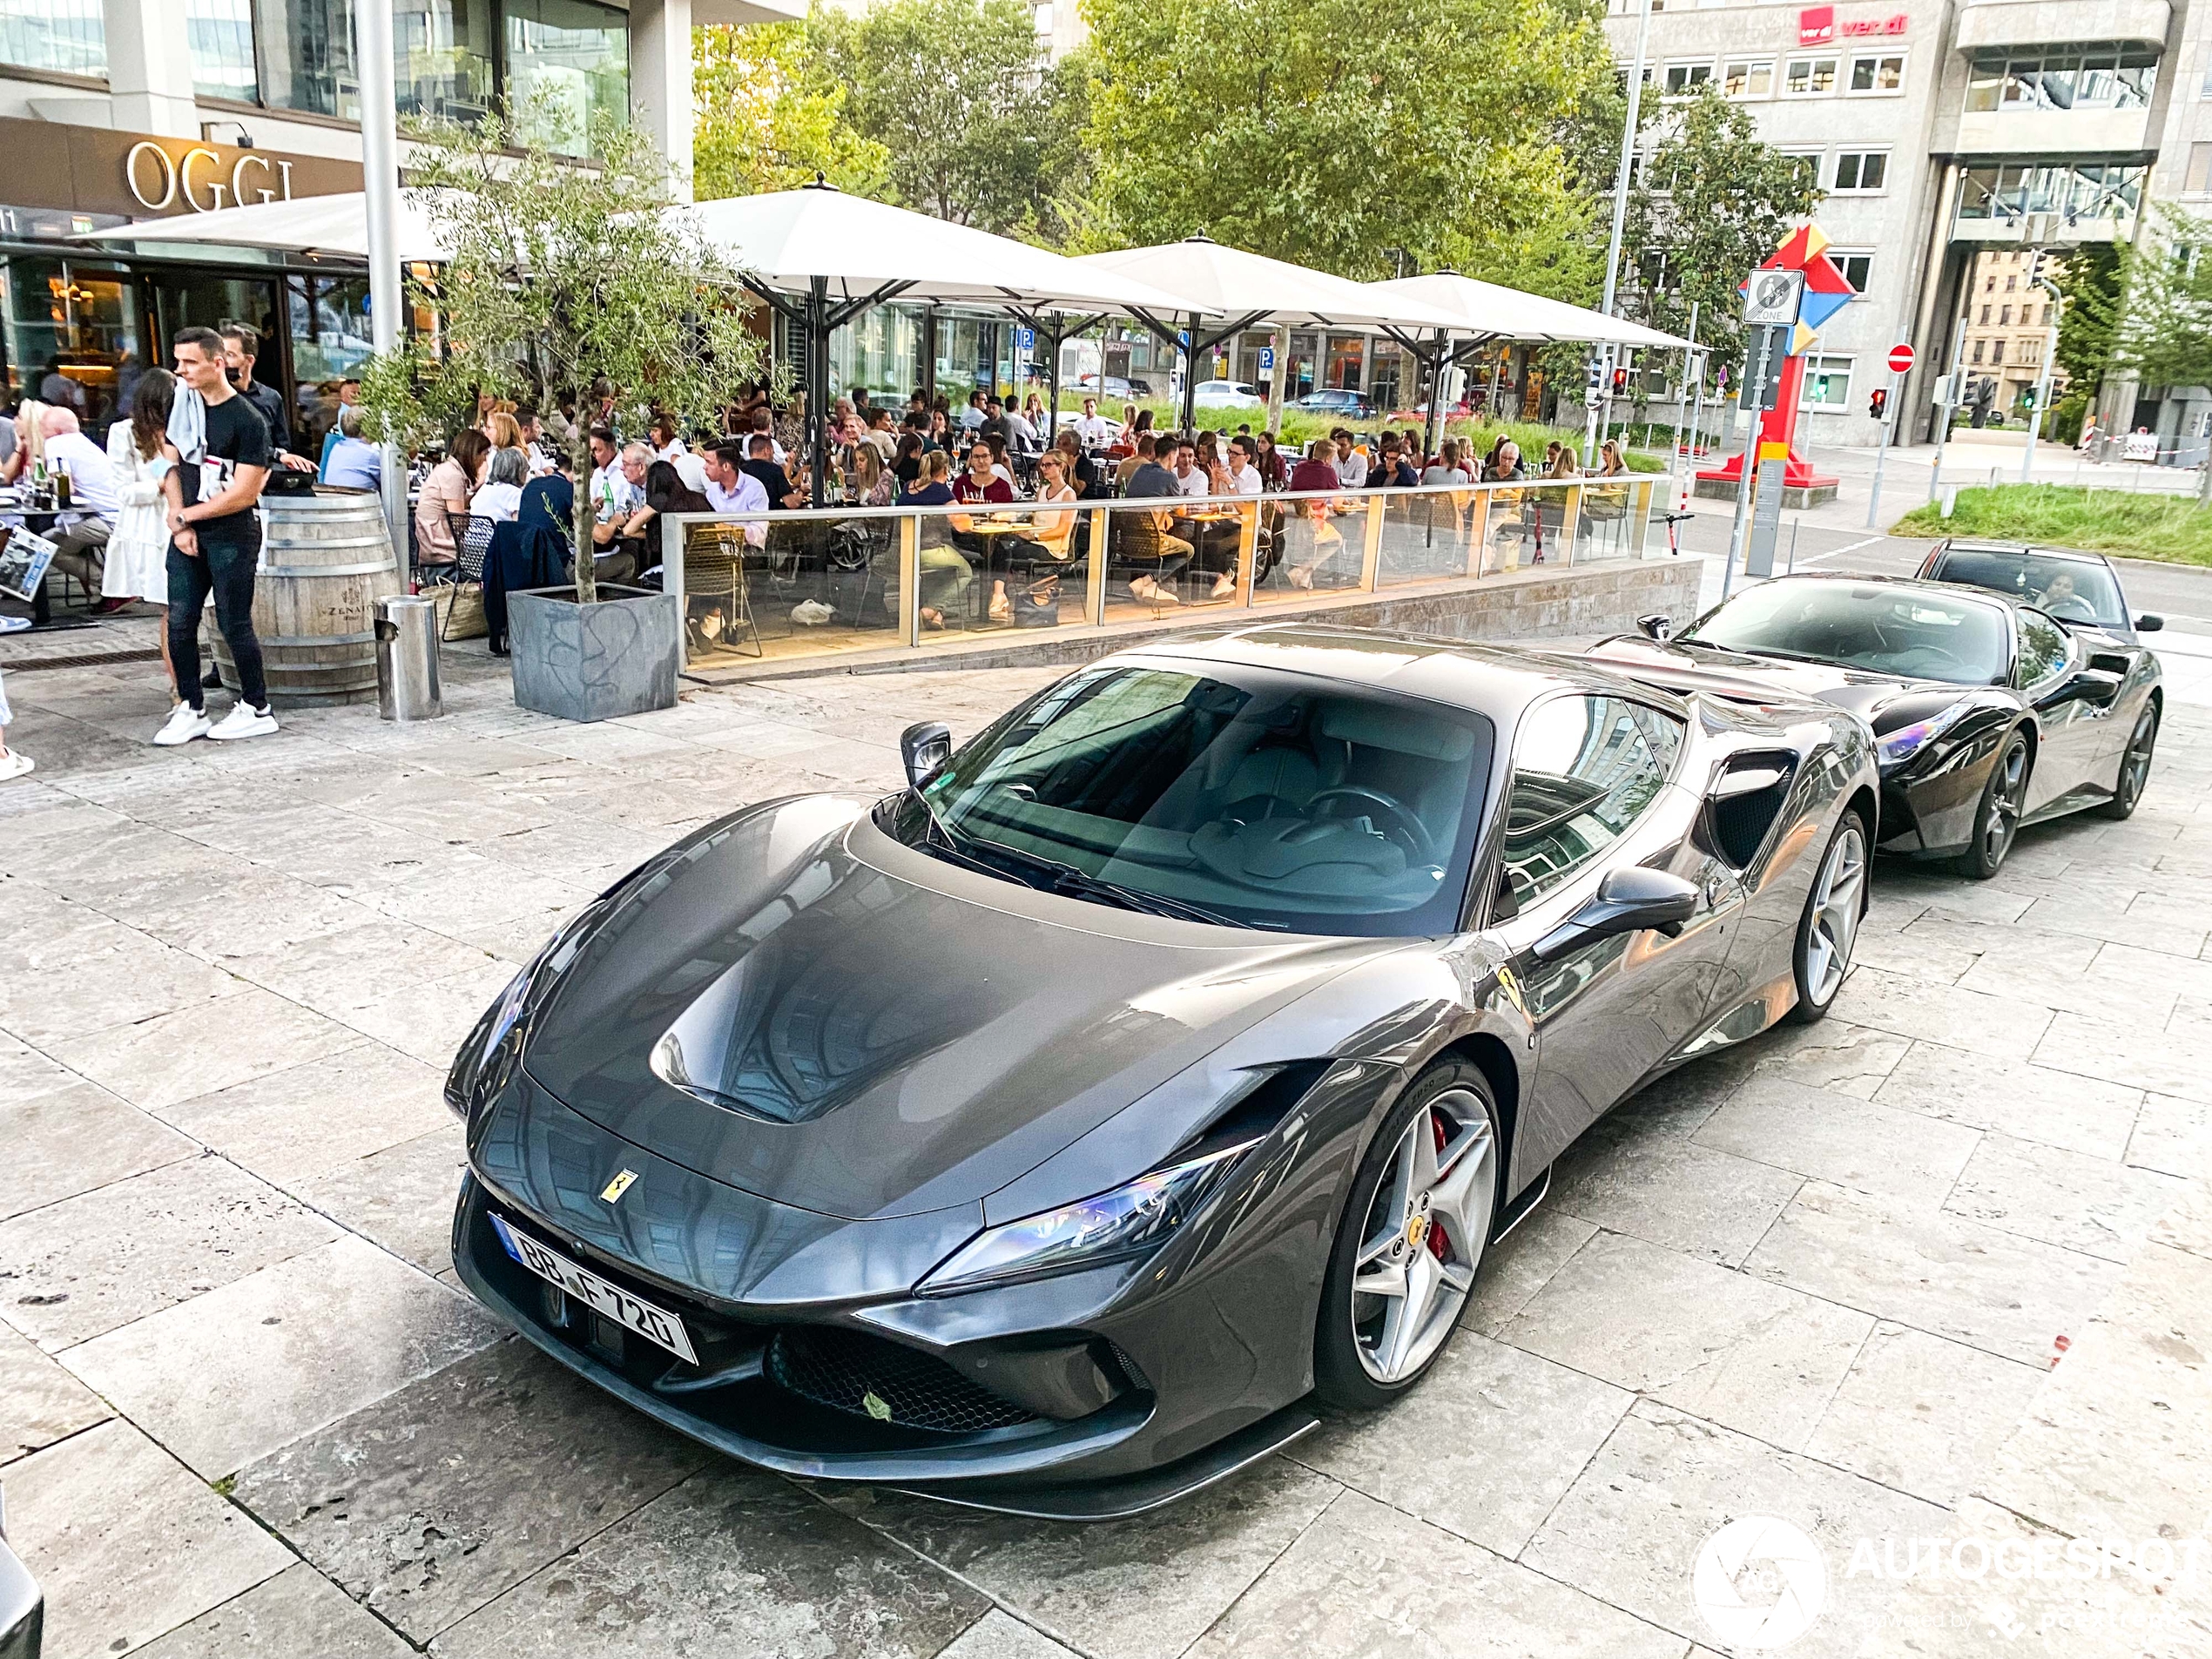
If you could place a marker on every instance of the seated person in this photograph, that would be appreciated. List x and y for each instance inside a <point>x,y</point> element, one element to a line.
<point>945,575</point>
<point>618,535</point>
<point>763,465</point>
<point>1321,542</point>
<point>730,488</point>
<point>983,484</point>
<point>501,497</point>
<point>349,461</point>
<point>2059,598</point>
<point>95,496</point>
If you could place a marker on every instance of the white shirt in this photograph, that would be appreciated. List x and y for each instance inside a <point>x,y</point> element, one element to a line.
<point>496,501</point>
<point>1195,481</point>
<point>1351,470</point>
<point>1245,481</point>
<point>1095,430</point>
<point>689,467</point>
<point>92,484</point>
<point>747,497</point>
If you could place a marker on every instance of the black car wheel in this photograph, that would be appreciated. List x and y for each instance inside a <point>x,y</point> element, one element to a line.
<point>1829,927</point>
<point>1997,821</point>
<point>2134,766</point>
<point>1411,1237</point>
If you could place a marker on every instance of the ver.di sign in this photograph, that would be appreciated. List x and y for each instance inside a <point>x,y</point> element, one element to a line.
<point>1816,26</point>
<point>196,179</point>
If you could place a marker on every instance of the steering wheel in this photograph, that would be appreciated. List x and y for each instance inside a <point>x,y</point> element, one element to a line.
<point>1401,816</point>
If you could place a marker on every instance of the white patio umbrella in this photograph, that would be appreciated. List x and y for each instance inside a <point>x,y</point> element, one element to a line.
<point>1249,288</point>
<point>1485,312</point>
<point>821,257</point>
<point>331,226</point>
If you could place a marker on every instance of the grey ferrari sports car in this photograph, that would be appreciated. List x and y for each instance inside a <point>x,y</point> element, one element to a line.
<point>1058,1134</point>
<point>1988,713</point>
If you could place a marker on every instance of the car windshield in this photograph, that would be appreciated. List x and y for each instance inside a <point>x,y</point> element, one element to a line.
<point>2071,589</point>
<point>1242,796</point>
<point>1913,633</point>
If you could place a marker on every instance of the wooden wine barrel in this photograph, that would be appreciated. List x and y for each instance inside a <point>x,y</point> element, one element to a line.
<point>325,558</point>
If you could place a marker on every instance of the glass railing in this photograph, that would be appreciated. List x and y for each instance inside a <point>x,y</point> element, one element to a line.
<point>821,582</point>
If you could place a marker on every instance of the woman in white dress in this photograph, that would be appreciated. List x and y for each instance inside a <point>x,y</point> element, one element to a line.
<point>137,548</point>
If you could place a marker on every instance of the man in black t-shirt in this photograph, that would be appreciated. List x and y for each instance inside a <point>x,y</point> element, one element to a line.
<point>210,490</point>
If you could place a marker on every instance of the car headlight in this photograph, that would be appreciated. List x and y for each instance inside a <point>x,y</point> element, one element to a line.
<point>1900,745</point>
<point>488,1054</point>
<point>1129,1221</point>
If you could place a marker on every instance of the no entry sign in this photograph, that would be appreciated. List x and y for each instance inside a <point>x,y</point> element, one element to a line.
<point>1900,359</point>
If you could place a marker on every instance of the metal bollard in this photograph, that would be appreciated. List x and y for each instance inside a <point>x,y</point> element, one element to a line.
<point>407,659</point>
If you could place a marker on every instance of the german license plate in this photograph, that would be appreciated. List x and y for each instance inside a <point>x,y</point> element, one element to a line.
<point>655,1324</point>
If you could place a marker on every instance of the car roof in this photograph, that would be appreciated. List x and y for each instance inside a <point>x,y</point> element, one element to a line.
<point>1495,680</point>
<point>2028,549</point>
<point>1959,590</point>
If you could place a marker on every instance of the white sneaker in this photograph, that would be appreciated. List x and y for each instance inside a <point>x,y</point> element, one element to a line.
<point>185,723</point>
<point>244,722</point>
<point>14,763</point>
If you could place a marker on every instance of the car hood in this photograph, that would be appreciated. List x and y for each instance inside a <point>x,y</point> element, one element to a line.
<point>799,1006</point>
<point>1687,665</point>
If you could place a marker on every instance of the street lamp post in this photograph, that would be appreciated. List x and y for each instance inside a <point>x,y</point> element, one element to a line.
<point>381,190</point>
<point>1619,204</point>
<point>2052,313</point>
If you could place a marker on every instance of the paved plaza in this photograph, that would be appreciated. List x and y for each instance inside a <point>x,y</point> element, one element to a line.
<point>244,1411</point>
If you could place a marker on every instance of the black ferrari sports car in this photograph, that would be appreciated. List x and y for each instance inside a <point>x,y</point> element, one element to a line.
<point>1987,713</point>
<point>1056,1135</point>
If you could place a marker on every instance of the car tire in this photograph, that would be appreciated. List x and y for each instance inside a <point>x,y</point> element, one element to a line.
<point>2134,766</point>
<point>1394,1292</point>
<point>1997,820</point>
<point>1829,927</point>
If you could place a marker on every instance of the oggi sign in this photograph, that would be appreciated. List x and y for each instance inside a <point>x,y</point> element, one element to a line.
<point>199,180</point>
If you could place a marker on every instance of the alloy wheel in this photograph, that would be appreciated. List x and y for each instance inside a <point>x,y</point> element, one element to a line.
<point>1424,1235</point>
<point>2007,788</point>
<point>1837,894</point>
<point>2134,770</point>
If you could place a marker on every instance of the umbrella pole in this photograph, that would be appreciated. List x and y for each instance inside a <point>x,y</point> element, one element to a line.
<point>1190,378</point>
<point>1433,425</point>
<point>817,335</point>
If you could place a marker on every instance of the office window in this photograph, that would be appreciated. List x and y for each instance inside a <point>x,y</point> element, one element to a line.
<point>2197,180</point>
<point>1885,73</point>
<point>1748,77</point>
<point>2005,316</point>
<point>1827,381</point>
<point>443,50</point>
<point>2102,76</point>
<point>2012,283</point>
<point>1989,286</point>
<point>1808,165</point>
<point>1687,78</point>
<point>1978,347</point>
<point>64,36</point>
<point>307,55</point>
<point>1996,351</point>
<point>1810,77</point>
<point>570,60</point>
<point>1855,268</point>
<point>1861,170</point>
<point>1985,316</point>
<point>220,36</point>
<point>2030,353</point>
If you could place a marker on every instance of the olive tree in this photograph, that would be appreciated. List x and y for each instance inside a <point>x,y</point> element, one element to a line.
<point>558,275</point>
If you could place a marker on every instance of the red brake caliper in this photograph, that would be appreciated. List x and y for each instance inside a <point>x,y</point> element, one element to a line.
<point>1438,1245</point>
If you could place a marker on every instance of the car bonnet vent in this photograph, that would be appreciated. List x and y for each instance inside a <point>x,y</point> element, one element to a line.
<point>1746,799</point>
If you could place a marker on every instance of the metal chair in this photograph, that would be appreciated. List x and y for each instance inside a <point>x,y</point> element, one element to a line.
<point>471,546</point>
<point>726,545</point>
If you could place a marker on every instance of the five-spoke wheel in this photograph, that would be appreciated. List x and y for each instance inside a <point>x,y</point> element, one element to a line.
<point>2134,766</point>
<point>1830,926</point>
<point>1997,820</point>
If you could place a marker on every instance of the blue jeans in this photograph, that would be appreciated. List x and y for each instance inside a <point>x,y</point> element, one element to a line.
<point>225,569</point>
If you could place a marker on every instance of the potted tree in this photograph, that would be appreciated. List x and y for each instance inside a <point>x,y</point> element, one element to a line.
<point>561,275</point>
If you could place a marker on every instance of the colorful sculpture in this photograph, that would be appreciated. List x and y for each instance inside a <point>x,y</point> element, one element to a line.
<point>1826,294</point>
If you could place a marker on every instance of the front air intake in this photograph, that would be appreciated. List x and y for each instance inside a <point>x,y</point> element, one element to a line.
<point>848,1371</point>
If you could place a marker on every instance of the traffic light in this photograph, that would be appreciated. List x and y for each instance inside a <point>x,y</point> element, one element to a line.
<point>2027,397</point>
<point>1620,382</point>
<point>1878,403</point>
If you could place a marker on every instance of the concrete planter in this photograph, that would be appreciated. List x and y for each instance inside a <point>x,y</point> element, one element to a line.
<point>594,662</point>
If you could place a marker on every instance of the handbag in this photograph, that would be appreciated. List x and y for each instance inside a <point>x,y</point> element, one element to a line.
<point>1038,605</point>
<point>461,610</point>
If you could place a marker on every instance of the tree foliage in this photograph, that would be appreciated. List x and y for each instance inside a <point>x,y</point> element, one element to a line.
<point>1329,135</point>
<point>976,127</point>
<point>2088,281</point>
<point>769,116</point>
<point>558,275</point>
<point>1714,202</point>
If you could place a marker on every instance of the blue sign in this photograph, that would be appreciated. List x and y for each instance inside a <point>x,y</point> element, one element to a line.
<point>1025,338</point>
<point>1267,360</point>
<point>1182,338</point>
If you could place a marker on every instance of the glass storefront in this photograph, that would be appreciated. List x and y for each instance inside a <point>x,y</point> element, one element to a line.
<point>1346,352</point>
<point>881,352</point>
<point>61,36</point>
<point>330,338</point>
<point>307,57</point>
<point>72,334</point>
<point>2082,189</point>
<point>445,48</point>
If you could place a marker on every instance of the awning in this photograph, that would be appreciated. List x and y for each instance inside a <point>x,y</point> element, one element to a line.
<point>1205,276</point>
<point>1484,310</point>
<point>330,226</point>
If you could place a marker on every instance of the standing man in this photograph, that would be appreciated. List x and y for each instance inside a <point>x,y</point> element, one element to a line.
<point>219,449</point>
<point>242,346</point>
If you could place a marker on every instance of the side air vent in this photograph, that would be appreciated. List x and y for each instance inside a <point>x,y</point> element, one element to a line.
<point>1744,801</point>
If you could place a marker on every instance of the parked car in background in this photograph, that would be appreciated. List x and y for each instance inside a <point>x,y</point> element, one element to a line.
<point>1227,395</point>
<point>22,1609</point>
<point>1987,713</point>
<point>1350,405</point>
<point>1056,1134</point>
<point>1111,386</point>
<point>2072,585</point>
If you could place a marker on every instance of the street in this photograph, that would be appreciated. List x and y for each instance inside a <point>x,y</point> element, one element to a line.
<point>245,1411</point>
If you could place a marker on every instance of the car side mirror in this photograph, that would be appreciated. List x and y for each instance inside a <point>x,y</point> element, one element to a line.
<point>925,746</point>
<point>1627,901</point>
<point>1657,626</point>
<point>2148,624</point>
<point>2097,686</point>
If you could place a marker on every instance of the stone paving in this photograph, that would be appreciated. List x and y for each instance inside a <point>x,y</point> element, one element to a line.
<point>243,1412</point>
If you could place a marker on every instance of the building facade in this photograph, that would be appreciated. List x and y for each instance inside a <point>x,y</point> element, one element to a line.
<point>113,111</point>
<point>1955,142</point>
